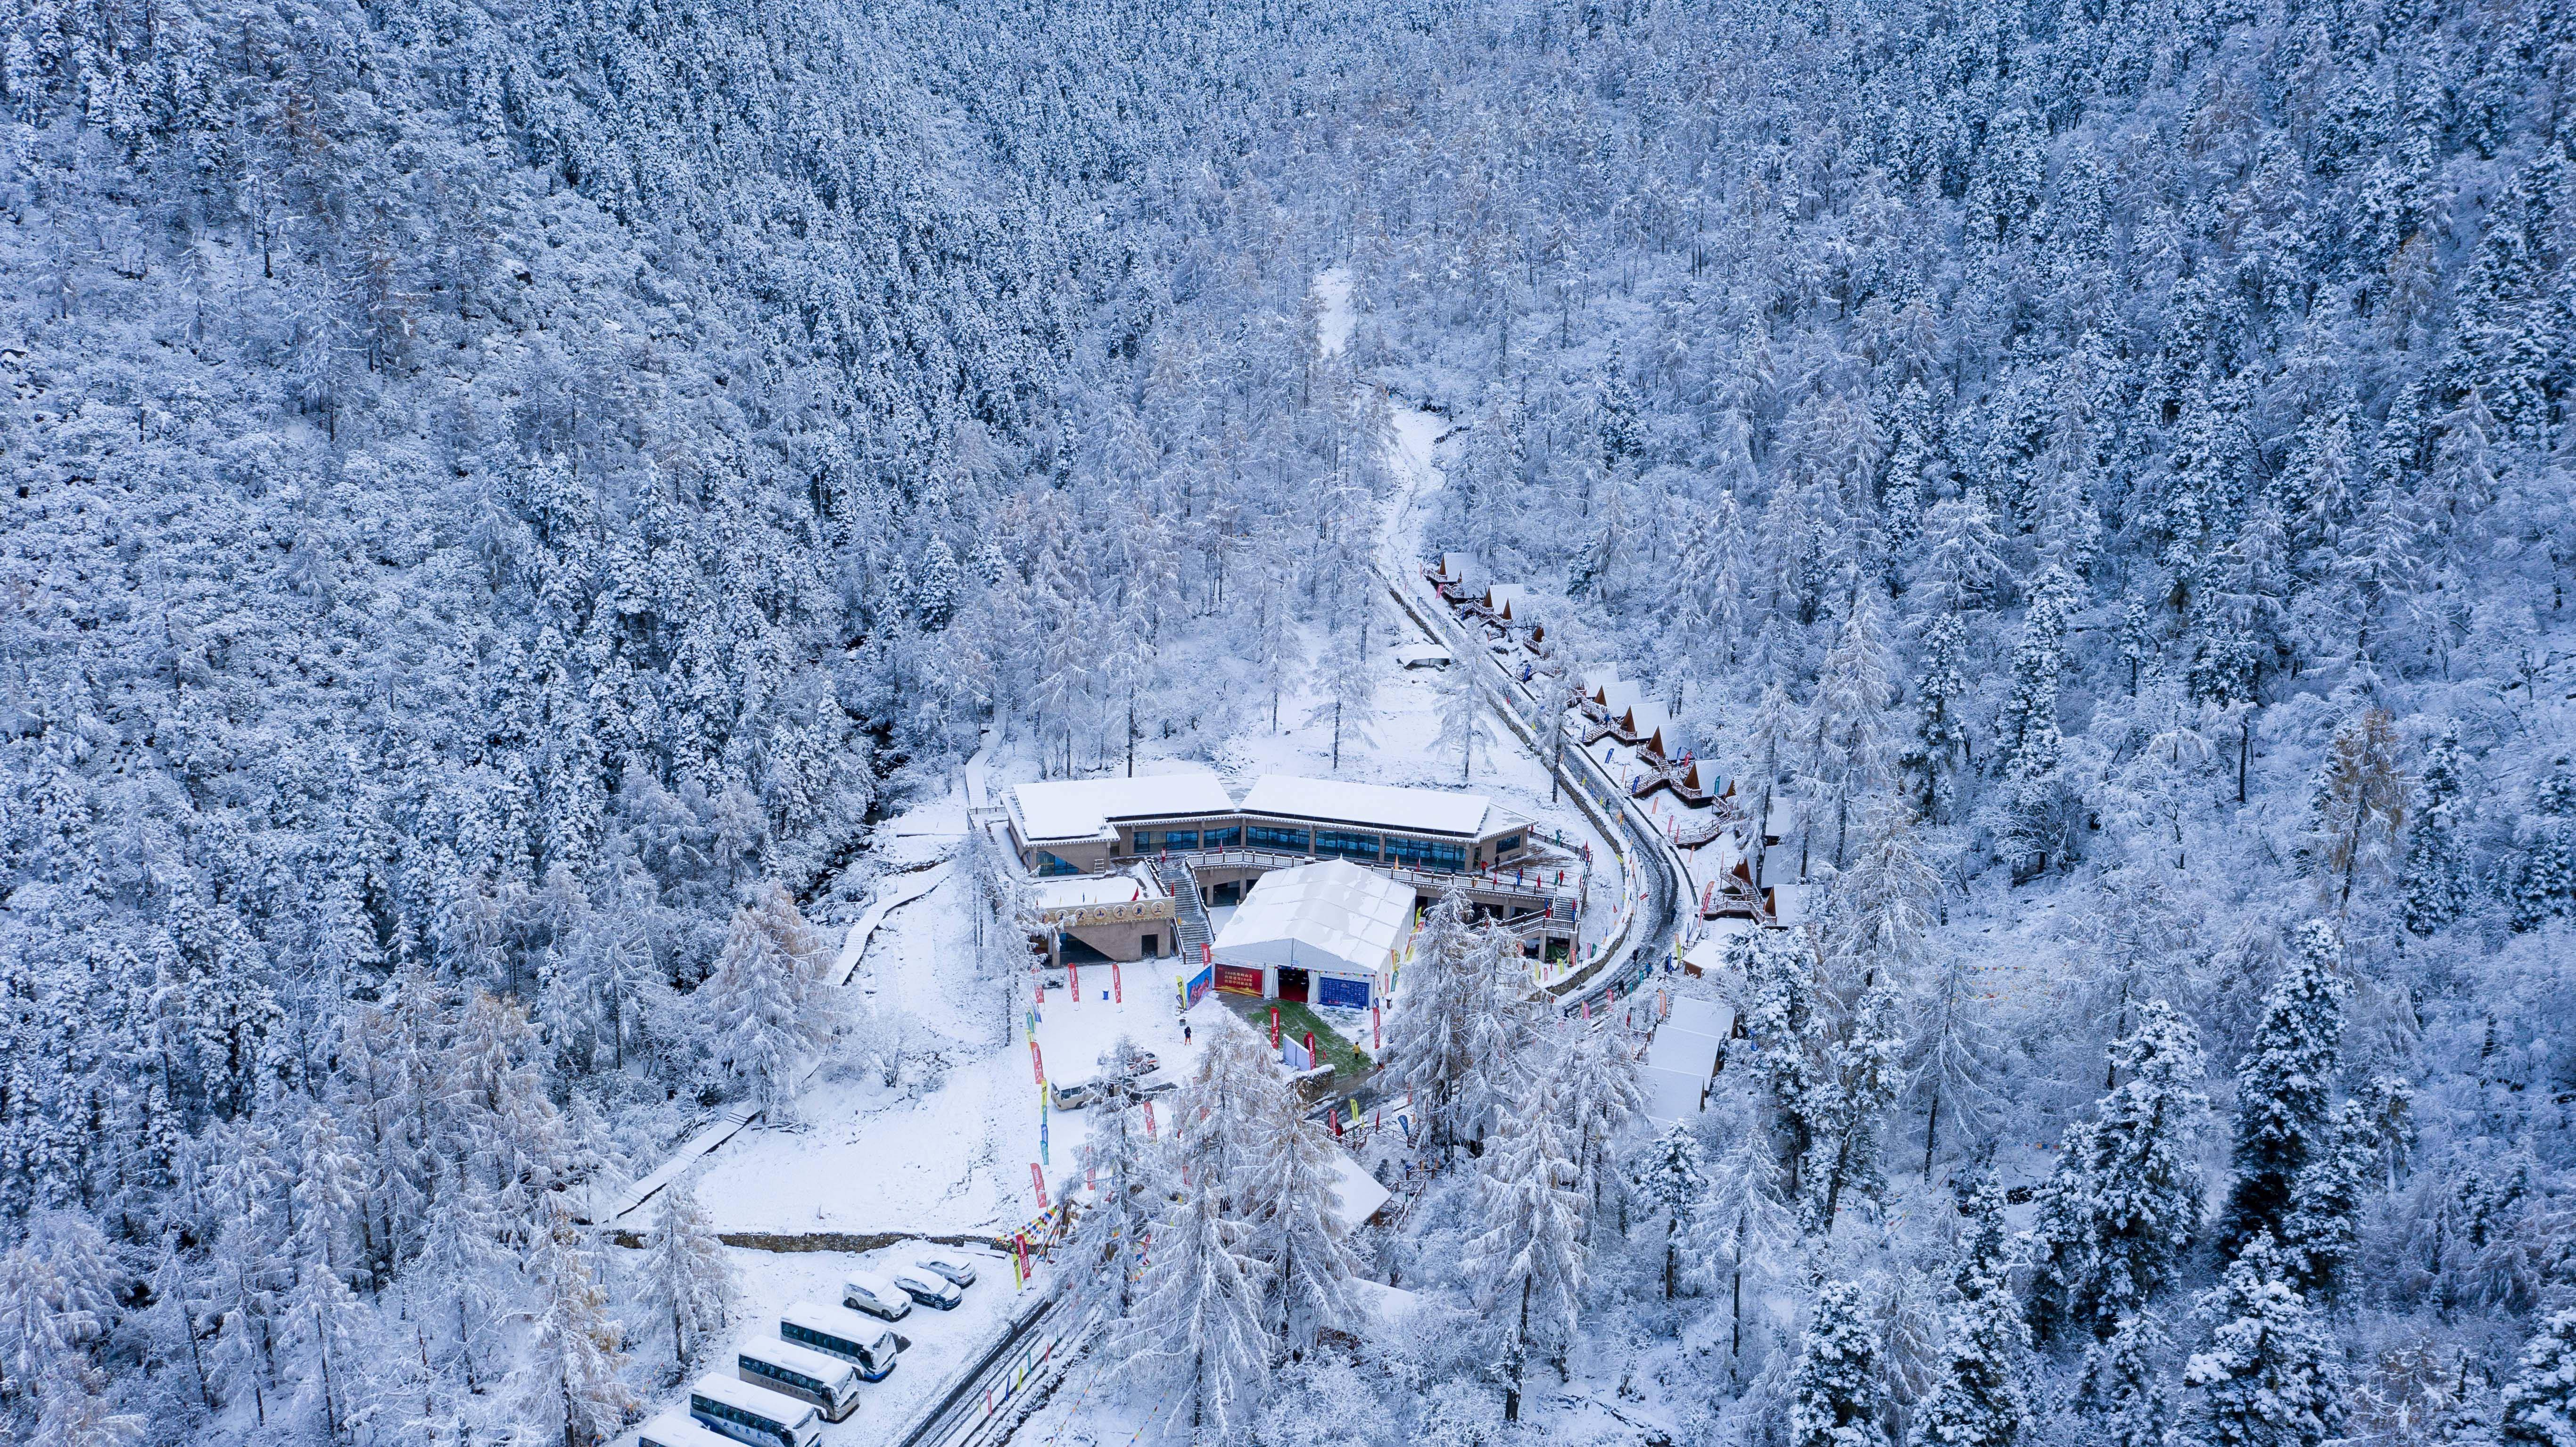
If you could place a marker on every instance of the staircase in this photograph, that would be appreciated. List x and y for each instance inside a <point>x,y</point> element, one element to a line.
<point>1190,924</point>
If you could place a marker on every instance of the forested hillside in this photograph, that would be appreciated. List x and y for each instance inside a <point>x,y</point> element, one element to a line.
<point>500,498</point>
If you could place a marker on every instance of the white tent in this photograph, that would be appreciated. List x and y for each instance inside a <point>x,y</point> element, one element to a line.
<point>1337,921</point>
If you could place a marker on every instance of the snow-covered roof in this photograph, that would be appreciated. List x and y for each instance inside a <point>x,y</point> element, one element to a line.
<point>1648,717</point>
<point>1619,695</point>
<point>1597,679</point>
<point>1333,915</point>
<point>1078,890</point>
<point>676,1428</point>
<point>1376,806</point>
<point>1389,1306</point>
<point>1701,1017</point>
<point>1361,1194</point>
<point>1671,1095</point>
<point>1062,809</point>
<point>1453,566</point>
<point>1511,598</point>
<point>1413,653</point>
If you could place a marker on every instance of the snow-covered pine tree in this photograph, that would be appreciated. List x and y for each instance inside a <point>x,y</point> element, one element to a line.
<point>1349,683</point>
<point>2357,811</point>
<point>1462,720</point>
<point>1527,1261</point>
<point>1950,1053</point>
<point>2437,876</point>
<point>1787,1024</point>
<point>1290,1197</point>
<point>1743,1223</point>
<point>1836,1394</point>
<point>1977,1400</point>
<point>2540,884</point>
<point>2282,1085</point>
<point>1427,1031</point>
<point>1596,1087</point>
<point>1128,1171</point>
<point>1940,752</point>
<point>2120,1396</point>
<point>1881,907</point>
<point>768,1002</point>
<point>1665,1178</point>
<point>463,1280</point>
<point>2271,1376</point>
<point>688,1280</point>
<point>1847,747</point>
<point>2539,1402</point>
<point>1864,1073</point>
<point>2120,1210</point>
<point>1217,1133</point>
<point>2323,1226</point>
<point>570,1385</point>
<point>1194,1335</point>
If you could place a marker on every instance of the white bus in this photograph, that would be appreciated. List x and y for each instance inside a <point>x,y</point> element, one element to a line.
<point>844,1334</point>
<point>748,1414</point>
<point>828,1382</point>
<point>676,1428</point>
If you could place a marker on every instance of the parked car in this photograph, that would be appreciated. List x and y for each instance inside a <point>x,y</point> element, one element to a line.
<point>929,1288</point>
<point>949,1264</point>
<point>874,1294</point>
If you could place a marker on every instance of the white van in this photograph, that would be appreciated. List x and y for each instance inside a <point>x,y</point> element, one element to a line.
<point>745,1413</point>
<point>676,1428</point>
<point>844,1334</point>
<point>866,1291</point>
<point>828,1382</point>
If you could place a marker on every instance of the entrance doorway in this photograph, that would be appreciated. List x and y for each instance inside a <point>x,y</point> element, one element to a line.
<point>1153,947</point>
<point>1292,984</point>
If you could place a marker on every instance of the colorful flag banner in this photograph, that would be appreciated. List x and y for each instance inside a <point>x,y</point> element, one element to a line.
<point>1037,1177</point>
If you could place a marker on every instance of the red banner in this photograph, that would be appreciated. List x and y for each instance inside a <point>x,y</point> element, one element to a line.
<point>1037,1062</point>
<point>1020,1244</point>
<point>1037,1177</point>
<point>1377,1030</point>
<point>1149,1120</point>
<point>1335,1116</point>
<point>1274,1027</point>
<point>1091,1179</point>
<point>1117,991</point>
<point>1073,980</point>
<point>1238,980</point>
<point>1310,1044</point>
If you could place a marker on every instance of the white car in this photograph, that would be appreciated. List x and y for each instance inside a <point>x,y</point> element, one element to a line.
<point>866,1291</point>
<point>948,1264</point>
<point>929,1288</point>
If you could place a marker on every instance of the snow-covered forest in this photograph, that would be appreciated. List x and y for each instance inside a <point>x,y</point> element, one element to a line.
<point>503,501</point>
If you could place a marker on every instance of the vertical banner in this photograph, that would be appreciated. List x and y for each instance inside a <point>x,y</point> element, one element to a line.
<point>1091,1178</point>
<point>1117,991</point>
<point>1037,1062</point>
<point>1042,1138</point>
<point>1037,1178</point>
<point>1274,1027</point>
<point>1310,1048</point>
<point>1335,1117</point>
<point>1377,1030</point>
<point>1020,1256</point>
<point>1587,1011</point>
<point>1149,1120</point>
<point>1073,980</point>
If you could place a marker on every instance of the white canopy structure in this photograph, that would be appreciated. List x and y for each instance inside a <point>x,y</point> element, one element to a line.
<point>1338,923</point>
<point>1682,1058</point>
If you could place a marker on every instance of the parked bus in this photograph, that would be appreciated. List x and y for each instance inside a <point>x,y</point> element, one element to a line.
<point>745,1413</point>
<point>676,1428</point>
<point>828,1382</point>
<point>844,1334</point>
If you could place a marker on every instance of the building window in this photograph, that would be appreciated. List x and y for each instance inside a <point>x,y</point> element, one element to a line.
<point>1334,844</point>
<point>1224,838</point>
<point>1181,839</point>
<point>1425,853</point>
<point>1048,864</point>
<point>1292,840</point>
<point>1144,841</point>
<point>1508,844</point>
<point>1452,857</point>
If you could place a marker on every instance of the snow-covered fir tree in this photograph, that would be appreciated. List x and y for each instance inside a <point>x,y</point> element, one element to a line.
<point>2283,1085</point>
<point>2270,1376</point>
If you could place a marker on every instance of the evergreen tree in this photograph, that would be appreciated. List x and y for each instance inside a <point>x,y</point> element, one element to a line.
<point>1977,1400</point>
<point>2282,1084</point>
<point>1666,1179</point>
<point>1349,686</point>
<point>1742,1222</point>
<point>2540,1401</point>
<point>1290,1199</point>
<point>2121,1207</point>
<point>2541,883</point>
<point>2120,1397</point>
<point>1864,1074</point>
<point>2271,1377</point>
<point>1129,1178</point>
<point>1527,1262</point>
<point>1195,1330</point>
<point>1836,1394</point>
<point>1940,731</point>
<point>2436,870</point>
<point>2323,1227</point>
<point>768,999</point>
<point>1787,1024</point>
<point>1847,747</point>
<point>687,1278</point>
<point>1595,1080</point>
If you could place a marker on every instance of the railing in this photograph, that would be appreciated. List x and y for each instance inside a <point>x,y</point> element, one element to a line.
<point>1431,880</point>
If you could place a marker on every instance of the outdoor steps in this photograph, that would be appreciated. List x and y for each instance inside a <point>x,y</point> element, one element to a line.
<point>1190,917</point>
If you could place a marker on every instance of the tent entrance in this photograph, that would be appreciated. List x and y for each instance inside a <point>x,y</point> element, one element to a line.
<point>1292,984</point>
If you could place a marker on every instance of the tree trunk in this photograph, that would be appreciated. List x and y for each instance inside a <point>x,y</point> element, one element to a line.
<point>1931,1132</point>
<point>1520,1353</point>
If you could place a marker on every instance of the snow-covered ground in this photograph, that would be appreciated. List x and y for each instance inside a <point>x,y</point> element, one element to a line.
<point>943,1342</point>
